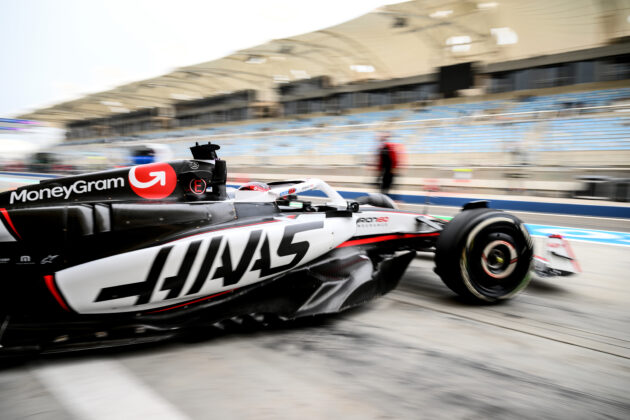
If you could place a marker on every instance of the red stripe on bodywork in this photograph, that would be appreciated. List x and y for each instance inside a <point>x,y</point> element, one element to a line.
<point>5,213</point>
<point>385,238</point>
<point>50,283</point>
<point>192,301</point>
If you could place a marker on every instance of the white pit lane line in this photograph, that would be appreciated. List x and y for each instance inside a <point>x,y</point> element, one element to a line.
<point>103,390</point>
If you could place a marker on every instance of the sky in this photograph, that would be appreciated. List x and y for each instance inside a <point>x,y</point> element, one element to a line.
<point>59,50</point>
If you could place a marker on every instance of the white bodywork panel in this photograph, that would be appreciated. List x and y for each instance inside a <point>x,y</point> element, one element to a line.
<point>82,284</point>
<point>372,221</point>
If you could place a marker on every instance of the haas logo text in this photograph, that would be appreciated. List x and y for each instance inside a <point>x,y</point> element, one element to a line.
<point>229,270</point>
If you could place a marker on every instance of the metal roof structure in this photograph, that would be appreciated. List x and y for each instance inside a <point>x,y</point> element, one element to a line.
<point>395,41</point>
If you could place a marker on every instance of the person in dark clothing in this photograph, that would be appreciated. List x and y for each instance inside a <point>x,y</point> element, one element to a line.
<point>387,163</point>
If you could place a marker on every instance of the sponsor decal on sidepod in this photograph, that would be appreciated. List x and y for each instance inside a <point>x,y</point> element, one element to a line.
<point>65,191</point>
<point>153,182</point>
<point>192,268</point>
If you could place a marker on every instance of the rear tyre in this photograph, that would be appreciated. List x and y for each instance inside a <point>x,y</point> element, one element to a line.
<point>484,255</point>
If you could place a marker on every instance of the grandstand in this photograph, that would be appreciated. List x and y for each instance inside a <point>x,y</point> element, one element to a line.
<point>539,124</point>
<point>502,84</point>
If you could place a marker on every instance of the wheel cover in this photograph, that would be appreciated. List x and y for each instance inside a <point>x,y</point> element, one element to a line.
<point>499,282</point>
<point>499,259</point>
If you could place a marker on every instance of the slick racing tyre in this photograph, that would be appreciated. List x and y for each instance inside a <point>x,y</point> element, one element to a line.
<point>377,200</point>
<point>484,255</point>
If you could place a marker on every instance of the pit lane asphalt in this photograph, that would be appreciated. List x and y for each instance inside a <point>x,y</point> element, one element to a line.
<point>561,349</point>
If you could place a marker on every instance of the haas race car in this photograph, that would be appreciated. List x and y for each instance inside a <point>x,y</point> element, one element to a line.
<point>142,254</point>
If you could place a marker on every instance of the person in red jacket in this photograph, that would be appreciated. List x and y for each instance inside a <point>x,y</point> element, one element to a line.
<point>387,162</point>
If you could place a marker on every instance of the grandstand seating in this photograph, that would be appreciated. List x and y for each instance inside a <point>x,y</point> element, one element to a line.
<point>586,134</point>
<point>579,99</point>
<point>451,128</point>
<point>560,135</point>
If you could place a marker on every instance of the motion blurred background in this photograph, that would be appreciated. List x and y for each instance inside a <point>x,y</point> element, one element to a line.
<point>525,103</point>
<point>485,97</point>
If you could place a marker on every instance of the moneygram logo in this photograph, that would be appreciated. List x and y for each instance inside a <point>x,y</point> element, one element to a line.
<point>65,191</point>
<point>153,181</point>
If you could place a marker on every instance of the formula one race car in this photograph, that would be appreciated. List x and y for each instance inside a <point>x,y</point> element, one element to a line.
<point>141,254</point>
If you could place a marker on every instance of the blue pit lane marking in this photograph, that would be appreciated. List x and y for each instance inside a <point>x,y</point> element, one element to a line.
<point>584,235</point>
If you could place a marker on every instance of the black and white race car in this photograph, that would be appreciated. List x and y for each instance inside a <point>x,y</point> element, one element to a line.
<point>143,253</point>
